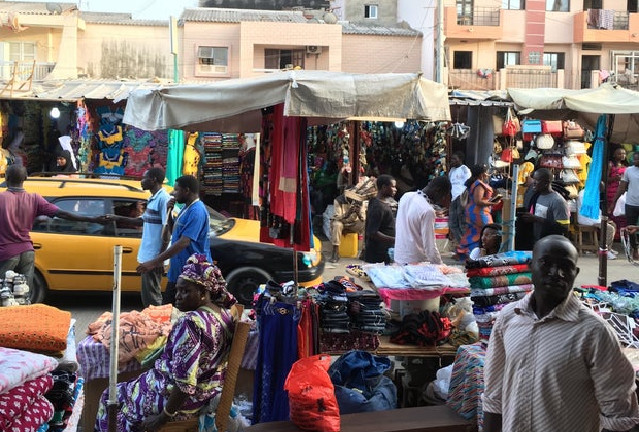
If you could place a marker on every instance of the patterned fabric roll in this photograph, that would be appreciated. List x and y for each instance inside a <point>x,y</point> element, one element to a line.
<point>501,281</point>
<point>498,271</point>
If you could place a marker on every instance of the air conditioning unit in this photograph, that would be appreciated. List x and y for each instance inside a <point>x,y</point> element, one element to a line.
<point>313,49</point>
<point>203,68</point>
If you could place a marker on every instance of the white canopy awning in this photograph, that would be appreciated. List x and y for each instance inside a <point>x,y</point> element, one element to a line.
<point>606,99</point>
<point>233,105</point>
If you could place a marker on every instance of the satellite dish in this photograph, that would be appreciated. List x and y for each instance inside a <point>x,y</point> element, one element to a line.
<point>54,8</point>
<point>330,18</point>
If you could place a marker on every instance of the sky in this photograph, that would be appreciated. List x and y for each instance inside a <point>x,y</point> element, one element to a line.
<point>141,9</point>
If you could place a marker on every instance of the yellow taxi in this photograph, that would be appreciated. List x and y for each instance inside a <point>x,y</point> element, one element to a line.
<point>78,256</point>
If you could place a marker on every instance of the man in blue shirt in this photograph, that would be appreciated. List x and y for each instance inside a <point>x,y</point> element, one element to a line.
<point>152,222</point>
<point>190,233</point>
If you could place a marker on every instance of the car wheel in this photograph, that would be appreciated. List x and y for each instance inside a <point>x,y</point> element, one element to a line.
<point>244,282</point>
<point>38,291</point>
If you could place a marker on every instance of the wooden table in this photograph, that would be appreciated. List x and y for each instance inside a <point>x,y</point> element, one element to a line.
<point>419,419</point>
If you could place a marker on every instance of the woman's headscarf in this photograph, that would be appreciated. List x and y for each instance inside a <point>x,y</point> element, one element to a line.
<point>68,166</point>
<point>199,271</point>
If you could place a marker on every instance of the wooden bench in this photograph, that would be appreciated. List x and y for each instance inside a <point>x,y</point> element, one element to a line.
<point>419,419</point>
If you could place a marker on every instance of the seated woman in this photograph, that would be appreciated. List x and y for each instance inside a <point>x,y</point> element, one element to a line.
<point>489,241</point>
<point>190,371</point>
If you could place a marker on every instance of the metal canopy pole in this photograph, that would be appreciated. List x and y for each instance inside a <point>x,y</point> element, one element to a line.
<point>114,345</point>
<point>602,280</point>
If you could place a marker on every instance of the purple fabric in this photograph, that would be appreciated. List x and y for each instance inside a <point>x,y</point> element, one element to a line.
<point>18,210</point>
<point>194,359</point>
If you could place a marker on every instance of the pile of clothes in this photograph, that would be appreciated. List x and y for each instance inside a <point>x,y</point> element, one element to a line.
<point>496,280</point>
<point>423,329</point>
<point>350,318</point>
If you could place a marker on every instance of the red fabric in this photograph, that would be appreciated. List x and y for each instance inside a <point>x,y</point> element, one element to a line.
<point>36,414</point>
<point>498,271</point>
<point>18,399</point>
<point>285,151</point>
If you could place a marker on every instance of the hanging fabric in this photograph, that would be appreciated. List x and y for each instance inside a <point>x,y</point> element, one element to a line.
<point>590,204</point>
<point>278,323</point>
<point>174,158</point>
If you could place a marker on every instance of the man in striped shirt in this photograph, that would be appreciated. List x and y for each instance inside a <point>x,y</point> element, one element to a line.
<point>552,364</point>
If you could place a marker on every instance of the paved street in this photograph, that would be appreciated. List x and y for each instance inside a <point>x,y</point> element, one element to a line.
<point>88,307</point>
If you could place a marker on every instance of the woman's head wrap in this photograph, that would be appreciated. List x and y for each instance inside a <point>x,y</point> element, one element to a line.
<point>201,272</point>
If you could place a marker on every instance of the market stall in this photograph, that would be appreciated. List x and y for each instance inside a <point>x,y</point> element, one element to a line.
<point>615,102</point>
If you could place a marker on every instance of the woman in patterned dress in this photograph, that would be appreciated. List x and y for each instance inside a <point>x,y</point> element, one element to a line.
<point>477,209</point>
<point>190,371</point>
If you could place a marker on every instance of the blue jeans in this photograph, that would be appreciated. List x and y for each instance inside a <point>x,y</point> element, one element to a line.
<point>22,263</point>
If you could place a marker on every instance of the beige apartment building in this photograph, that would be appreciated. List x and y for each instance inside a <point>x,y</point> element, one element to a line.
<point>495,44</point>
<point>213,44</point>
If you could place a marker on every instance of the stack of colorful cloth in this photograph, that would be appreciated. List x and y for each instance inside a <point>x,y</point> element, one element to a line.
<point>24,379</point>
<point>496,280</point>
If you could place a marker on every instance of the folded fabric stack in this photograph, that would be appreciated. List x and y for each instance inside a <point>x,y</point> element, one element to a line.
<point>496,280</point>
<point>333,307</point>
<point>24,379</point>
<point>67,388</point>
<point>365,312</point>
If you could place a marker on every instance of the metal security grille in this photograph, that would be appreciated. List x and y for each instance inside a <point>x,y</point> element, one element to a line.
<point>480,16</point>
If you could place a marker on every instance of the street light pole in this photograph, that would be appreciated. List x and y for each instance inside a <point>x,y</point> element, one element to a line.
<point>439,72</point>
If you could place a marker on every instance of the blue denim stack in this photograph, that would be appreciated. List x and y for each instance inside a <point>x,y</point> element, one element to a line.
<point>333,305</point>
<point>366,312</point>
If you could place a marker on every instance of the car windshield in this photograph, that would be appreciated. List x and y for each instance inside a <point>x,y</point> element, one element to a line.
<point>220,224</point>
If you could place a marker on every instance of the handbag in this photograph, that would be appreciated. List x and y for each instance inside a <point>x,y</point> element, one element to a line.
<point>572,130</point>
<point>572,191</point>
<point>552,127</point>
<point>507,155</point>
<point>571,162</point>
<point>575,148</point>
<point>511,125</point>
<point>531,126</point>
<point>569,177</point>
<point>551,161</point>
<point>545,142</point>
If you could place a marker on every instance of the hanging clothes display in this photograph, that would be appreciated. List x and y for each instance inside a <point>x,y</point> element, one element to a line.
<point>284,187</point>
<point>174,158</point>
<point>278,323</point>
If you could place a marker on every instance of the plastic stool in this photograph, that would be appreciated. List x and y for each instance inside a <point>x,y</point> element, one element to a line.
<point>348,247</point>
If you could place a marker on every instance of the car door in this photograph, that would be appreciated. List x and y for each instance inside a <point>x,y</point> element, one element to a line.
<point>128,236</point>
<point>75,255</point>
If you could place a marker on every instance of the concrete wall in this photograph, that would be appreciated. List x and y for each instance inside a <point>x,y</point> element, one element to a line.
<point>377,54</point>
<point>123,51</point>
<point>386,11</point>
<point>248,40</point>
<point>421,16</point>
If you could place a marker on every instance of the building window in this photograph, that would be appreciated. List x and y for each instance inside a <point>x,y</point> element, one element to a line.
<point>463,60</point>
<point>22,51</point>
<point>212,60</point>
<point>507,58</point>
<point>283,59</point>
<point>513,4</point>
<point>554,60</point>
<point>558,5</point>
<point>370,11</point>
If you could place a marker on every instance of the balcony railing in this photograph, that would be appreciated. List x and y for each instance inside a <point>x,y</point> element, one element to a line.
<point>530,78</point>
<point>467,79</point>
<point>40,70</point>
<point>481,16</point>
